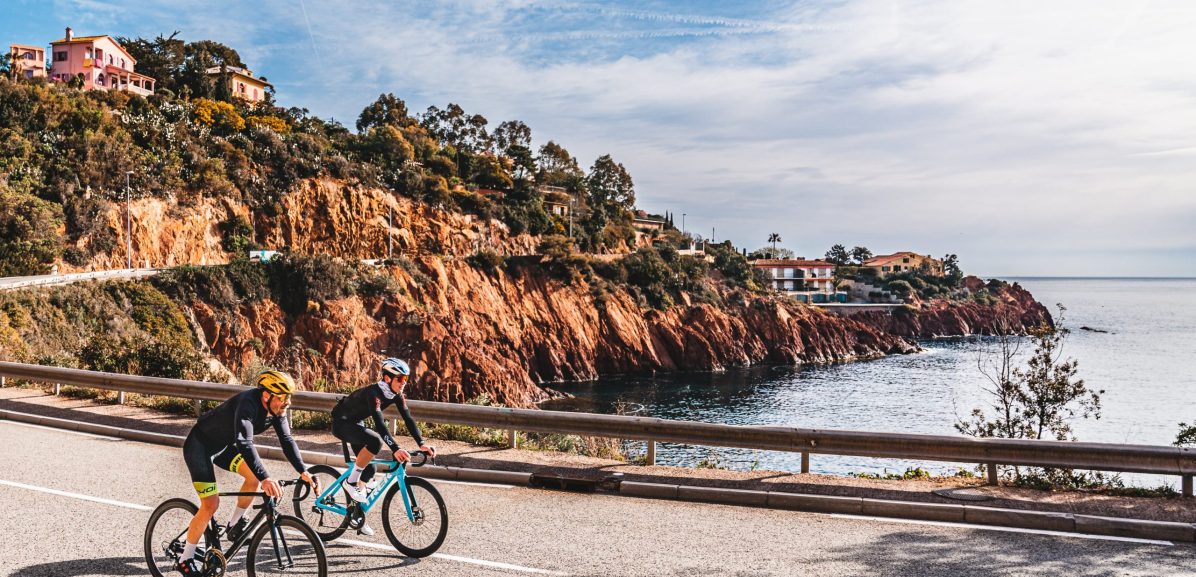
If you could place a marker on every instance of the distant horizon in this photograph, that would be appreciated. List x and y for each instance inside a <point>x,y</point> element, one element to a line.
<point>1059,277</point>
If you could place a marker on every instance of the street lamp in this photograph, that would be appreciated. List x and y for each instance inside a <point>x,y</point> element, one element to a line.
<point>129,218</point>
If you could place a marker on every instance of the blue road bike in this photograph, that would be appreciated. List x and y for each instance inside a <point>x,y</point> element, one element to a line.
<point>413,512</point>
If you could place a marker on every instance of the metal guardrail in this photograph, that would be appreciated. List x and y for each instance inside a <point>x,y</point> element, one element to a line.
<point>1162,460</point>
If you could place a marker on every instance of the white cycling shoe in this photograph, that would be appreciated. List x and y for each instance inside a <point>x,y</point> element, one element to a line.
<point>354,493</point>
<point>365,530</point>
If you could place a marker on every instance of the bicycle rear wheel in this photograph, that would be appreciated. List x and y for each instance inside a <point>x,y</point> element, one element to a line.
<point>424,535</point>
<point>298,550</point>
<point>327,525</point>
<point>166,535</point>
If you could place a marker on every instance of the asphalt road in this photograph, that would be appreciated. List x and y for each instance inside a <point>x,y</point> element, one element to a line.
<point>63,279</point>
<point>105,489</point>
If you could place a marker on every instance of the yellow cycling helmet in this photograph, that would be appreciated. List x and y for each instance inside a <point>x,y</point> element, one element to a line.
<point>277,382</point>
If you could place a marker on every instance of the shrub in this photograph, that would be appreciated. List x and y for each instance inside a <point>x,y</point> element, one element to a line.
<point>899,286</point>
<point>377,285</point>
<point>486,260</point>
<point>220,116</point>
<point>29,239</point>
<point>297,280</point>
<point>238,235</point>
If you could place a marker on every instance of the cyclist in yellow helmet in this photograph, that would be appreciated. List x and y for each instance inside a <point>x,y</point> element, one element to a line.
<point>224,437</point>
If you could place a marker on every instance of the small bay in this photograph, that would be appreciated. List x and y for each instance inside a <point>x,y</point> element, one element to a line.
<point>1141,350</point>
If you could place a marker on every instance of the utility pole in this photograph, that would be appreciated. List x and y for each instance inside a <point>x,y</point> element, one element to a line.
<point>712,234</point>
<point>390,230</point>
<point>570,217</point>
<point>129,218</point>
<point>683,223</point>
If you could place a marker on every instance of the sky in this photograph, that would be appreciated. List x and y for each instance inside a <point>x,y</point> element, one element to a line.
<point>1029,138</point>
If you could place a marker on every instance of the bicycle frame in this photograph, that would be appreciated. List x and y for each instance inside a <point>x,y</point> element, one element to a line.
<point>267,511</point>
<point>397,474</point>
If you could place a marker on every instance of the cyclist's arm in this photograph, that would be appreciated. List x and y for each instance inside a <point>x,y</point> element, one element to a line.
<point>243,440</point>
<point>401,405</point>
<point>282,427</point>
<point>380,427</point>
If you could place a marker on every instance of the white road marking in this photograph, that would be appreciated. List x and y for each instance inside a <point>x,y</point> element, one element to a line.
<point>134,506</point>
<point>1005,529</point>
<point>58,430</point>
<point>80,496</point>
<point>471,483</point>
<point>446,557</point>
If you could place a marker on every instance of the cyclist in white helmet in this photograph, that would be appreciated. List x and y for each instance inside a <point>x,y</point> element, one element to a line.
<point>348,425</point>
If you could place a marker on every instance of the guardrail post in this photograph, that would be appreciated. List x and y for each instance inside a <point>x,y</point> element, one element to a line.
<point>57,389</point>
<point>992,474</point>
<point>513,439</point>
<point>805,463</point>
<point>650,458</point>
<point>197,407</point>
<point>120,397</point>
<point>3,381</point>
<point>1187,485</point>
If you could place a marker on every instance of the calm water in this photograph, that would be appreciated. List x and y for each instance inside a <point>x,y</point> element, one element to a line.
<point>1146,365</point>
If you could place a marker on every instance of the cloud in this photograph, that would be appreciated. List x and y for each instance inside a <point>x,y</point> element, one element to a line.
<point>996,130</point>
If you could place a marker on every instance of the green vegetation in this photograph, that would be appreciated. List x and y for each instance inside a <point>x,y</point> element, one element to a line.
<point>1037,400</point>
<point>295,282</point>
<point>910,474</point>
<point>67,152</point>
<point>123,327</point>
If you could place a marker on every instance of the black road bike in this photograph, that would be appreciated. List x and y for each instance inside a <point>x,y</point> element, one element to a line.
<point>278,544</point>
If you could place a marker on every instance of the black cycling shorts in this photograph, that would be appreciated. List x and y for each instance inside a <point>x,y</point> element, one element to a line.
<point>200,463</point>
<point>357,435</point>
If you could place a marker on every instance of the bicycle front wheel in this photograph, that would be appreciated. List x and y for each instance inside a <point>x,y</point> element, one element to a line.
<point>294,549</point>
<point>423,535</point>
<point>328,525</point>
<point>166,535</point>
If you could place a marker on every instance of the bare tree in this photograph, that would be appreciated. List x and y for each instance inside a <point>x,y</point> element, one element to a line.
<point>996,359</point>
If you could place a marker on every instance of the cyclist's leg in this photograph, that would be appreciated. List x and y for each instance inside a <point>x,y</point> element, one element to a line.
<point>364,442</point>
<point>235,463</point>
<point>367,446</point>
<point>203,478</point>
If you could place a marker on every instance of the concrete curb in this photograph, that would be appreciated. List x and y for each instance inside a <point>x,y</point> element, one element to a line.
<point>966,514</point>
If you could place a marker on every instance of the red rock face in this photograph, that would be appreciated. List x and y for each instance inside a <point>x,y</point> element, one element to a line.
<point>469,332</point>
<point>1015,308</point>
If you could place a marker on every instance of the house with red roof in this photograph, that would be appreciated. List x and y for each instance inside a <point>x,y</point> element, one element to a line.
<point>100,61</point>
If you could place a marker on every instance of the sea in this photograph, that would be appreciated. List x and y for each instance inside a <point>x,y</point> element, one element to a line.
<point>1138,347</point>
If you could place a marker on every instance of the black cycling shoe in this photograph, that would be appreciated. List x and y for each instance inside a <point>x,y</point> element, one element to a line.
<point>189,567</point>
<point>234,532</point>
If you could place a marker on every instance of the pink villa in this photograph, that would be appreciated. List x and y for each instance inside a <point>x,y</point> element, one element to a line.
<point>243,83</point>
<point>100,61</point>
<point>28,61</point>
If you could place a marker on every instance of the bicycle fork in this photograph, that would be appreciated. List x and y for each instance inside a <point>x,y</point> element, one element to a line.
<point>277,537</point>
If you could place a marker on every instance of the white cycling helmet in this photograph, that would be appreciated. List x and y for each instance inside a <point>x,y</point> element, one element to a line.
<point>395,367</point>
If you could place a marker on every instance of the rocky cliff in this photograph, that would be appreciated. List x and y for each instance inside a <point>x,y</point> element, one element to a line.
<point>501,332</point>
<point>1006,307</point>
<point>320,216</point>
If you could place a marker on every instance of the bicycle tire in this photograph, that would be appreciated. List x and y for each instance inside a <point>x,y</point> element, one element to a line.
<point>414,483</point>
<point>148,541</point>
<point>284,523</point>
<point>326,532</point>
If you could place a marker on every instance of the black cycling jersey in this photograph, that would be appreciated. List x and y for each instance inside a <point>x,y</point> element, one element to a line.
<point>370,402</point>
<point>236,421</point>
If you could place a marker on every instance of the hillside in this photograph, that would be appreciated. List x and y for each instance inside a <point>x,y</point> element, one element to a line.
<point>482,292</point>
